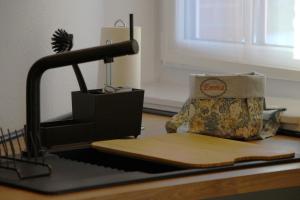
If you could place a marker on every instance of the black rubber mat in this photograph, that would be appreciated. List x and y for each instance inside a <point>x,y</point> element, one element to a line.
<point>87,169</point>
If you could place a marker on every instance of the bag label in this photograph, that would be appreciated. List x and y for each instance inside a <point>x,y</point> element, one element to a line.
<point>213,87</point>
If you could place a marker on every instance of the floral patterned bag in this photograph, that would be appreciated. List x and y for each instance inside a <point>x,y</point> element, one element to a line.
<point>227,106</point>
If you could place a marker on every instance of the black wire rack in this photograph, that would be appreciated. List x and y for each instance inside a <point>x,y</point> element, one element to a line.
<point>12,146</point>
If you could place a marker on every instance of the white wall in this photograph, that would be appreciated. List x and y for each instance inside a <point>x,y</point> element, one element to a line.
<point>25,31</point>
<point>146,16</point>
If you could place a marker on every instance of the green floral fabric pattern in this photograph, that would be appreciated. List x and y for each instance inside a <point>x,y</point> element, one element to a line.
<point>232,118</point>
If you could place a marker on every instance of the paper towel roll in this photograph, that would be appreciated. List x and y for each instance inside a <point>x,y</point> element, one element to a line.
<point>126,70</point>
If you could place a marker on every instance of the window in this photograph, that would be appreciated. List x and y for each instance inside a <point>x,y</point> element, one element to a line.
<point>224,21</point>
<point>254,32</point>
<point>273,22</point>
<point>214,20</point>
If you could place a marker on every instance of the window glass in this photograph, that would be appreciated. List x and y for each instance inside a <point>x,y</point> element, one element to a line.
<point>214,20</point>
<point>274,22</point>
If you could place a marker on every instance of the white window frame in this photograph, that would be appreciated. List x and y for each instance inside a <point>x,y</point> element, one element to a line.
<point>273,61</point>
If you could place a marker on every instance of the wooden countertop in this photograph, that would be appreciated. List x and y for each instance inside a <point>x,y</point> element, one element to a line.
<point>190,187</point>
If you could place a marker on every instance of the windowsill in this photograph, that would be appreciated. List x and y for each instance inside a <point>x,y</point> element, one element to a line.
<point>170,97</point>
<point>213,65</point>
<point>165,96</point>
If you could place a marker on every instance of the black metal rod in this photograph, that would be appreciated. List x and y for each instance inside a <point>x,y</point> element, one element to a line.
<point>131,27</point>
<point>3,142</point>
<point>61,60</point>
<point>80,79</point>
<point>26,137</point>
<point>18,142</point>
<point>12,148</point>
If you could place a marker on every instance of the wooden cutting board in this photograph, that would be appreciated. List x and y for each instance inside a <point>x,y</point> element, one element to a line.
<point>191,150</point>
